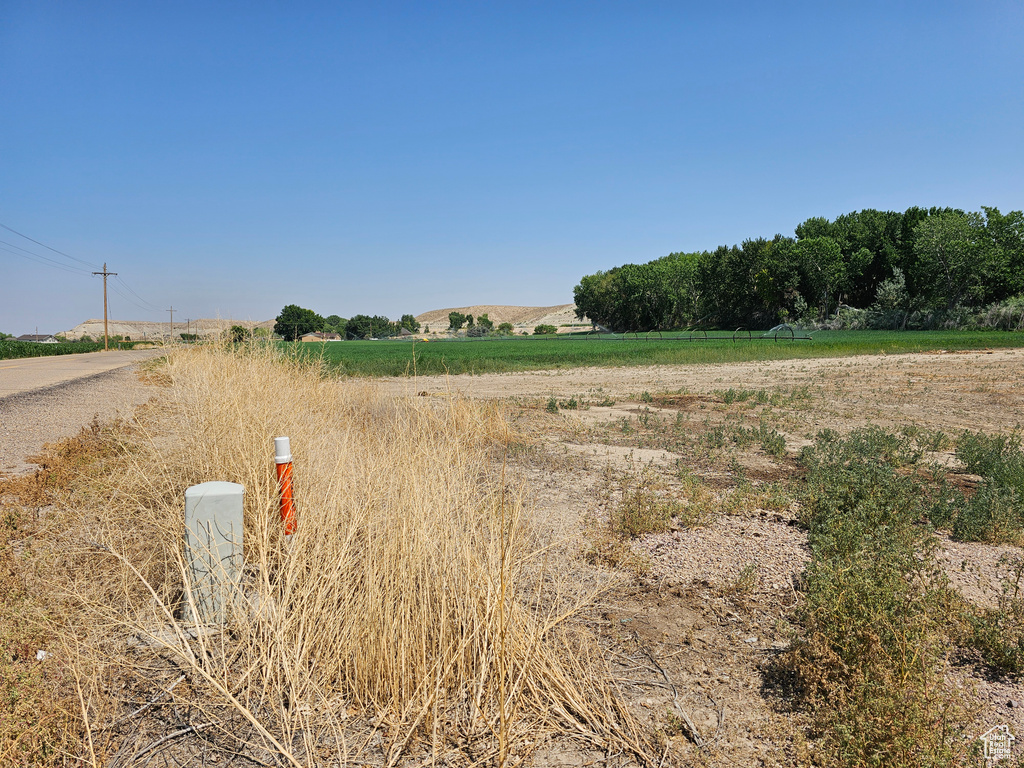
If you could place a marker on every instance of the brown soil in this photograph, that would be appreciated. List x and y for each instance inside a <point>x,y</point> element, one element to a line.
<point>699,613</point>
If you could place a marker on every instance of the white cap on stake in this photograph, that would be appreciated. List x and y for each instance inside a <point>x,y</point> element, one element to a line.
<point>282,450</point>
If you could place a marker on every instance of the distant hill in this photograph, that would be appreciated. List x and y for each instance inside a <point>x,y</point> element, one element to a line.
<point>523,318</point>
<point>143,329</point>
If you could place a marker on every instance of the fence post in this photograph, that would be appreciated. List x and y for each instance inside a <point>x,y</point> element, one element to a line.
<point>213,549</point>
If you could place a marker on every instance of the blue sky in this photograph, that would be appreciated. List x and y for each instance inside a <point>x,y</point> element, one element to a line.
<point>230,158</point>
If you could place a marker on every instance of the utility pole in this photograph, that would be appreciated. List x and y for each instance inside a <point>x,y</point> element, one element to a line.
<point>171,310</point>
<point>105,276</point>
<point>188,329</point>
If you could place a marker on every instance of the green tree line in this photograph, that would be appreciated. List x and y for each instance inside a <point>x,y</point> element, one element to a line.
<point>884,269</point>
<point>294,322</point>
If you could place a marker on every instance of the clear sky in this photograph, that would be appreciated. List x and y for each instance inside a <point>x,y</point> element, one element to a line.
<point>229,158</point>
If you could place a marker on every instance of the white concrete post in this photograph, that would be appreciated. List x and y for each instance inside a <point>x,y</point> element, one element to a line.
<point>213,549</point>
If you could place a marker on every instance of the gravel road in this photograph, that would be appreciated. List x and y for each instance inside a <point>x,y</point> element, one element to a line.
<point>53,401</point>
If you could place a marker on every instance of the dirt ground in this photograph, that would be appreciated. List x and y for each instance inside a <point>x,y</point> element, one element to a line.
<point>693,616</point>
<point>699,613</point>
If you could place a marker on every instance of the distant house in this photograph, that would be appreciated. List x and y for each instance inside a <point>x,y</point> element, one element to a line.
<point>38,338</point>
<point>320,337</point>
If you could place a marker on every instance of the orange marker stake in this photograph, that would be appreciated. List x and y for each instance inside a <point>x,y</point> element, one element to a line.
<point>283,459</point>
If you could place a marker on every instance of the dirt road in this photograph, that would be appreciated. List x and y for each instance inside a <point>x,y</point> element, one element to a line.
<point>45,399</point>
<point>35,373</point>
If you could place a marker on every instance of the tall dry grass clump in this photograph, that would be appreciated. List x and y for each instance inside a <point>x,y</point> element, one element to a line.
<point>411,614</point>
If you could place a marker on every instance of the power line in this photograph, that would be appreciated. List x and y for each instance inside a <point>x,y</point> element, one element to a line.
<point>44,245</point>
<point>40,259</point>
<point>25,253</point>
<point>128,299</point>
<point>153,307</point>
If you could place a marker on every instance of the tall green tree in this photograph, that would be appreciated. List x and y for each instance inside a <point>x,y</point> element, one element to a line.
<point>383,327</point>
<point>367,327</point>
<point>1006,238</point>
<point>456,320</point>
<point>916,273</point>
<point>359,327</point>
<point>953,252</point>
<point>410,323</point>
<point>822,262</point>
<point>896,263</point>
<point>869,239</point>
<point>335,324</point>
<point>593,298</point>
<point>684,292</point>
<point>294,321</point>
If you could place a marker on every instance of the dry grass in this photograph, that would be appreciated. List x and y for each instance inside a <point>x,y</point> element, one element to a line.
<point>411,616</point>
<point>39,711</point>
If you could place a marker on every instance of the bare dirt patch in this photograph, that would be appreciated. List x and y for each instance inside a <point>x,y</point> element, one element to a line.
<point>970,390</point>
<point>701,612</point>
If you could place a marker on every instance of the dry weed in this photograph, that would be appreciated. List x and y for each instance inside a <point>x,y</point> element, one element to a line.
<point>411,614</point>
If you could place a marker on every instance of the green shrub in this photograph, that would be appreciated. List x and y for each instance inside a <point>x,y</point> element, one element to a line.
<point>772,442</point>
<point>995,513</point>
<point>992,514</point>
<point>876,615</point>
<point>998,457</point>
<point>647,505</point>
<point>998,633</point>
<point>895,450</point>
<point>544,330</point>
<point>641,511</point>
<point>928,439</point>
<point>944,502</point>
<point>730,396</point>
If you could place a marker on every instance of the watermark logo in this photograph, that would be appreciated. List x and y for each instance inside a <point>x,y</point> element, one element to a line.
<point>998,743</point>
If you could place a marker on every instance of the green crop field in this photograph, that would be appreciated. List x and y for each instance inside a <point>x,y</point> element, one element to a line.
<point>11,349</point>
<point>405,357</point>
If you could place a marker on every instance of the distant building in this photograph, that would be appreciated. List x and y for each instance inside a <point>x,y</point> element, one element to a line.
<point>320,337</point>
<point>38,338</point>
